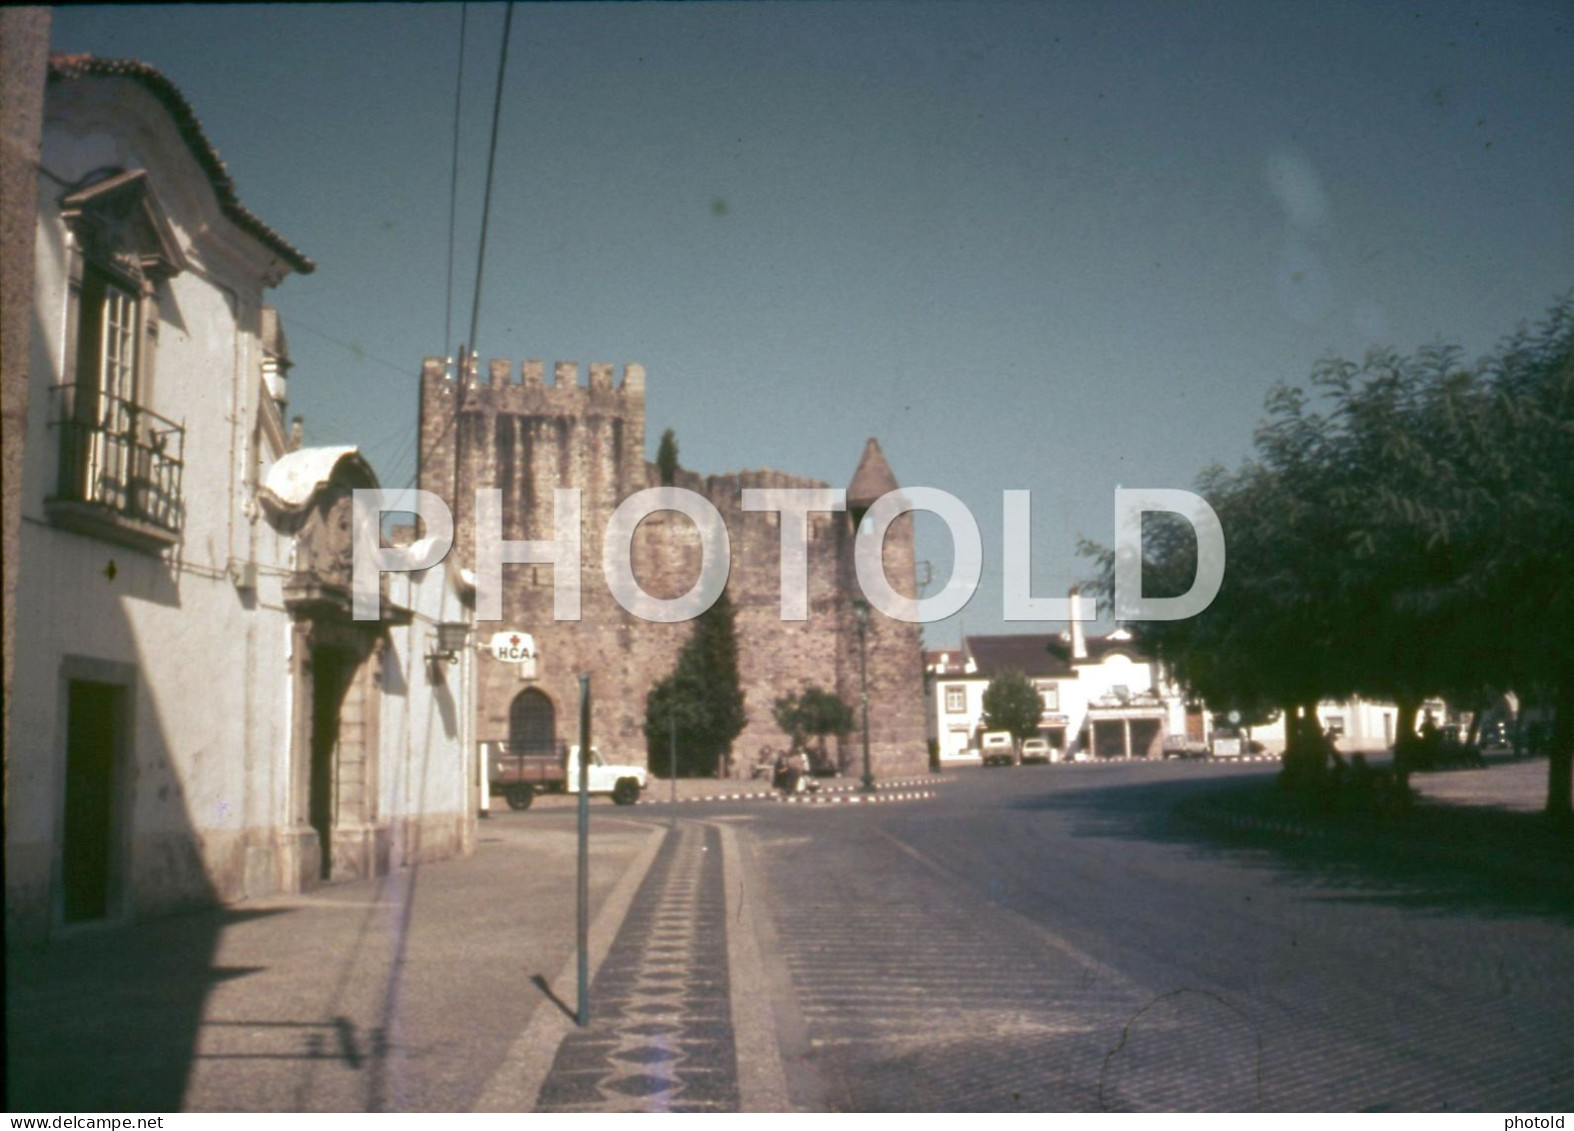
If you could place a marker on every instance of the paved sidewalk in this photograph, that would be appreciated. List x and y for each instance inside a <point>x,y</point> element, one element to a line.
<point>1514,785</point>
<point>661,1036</point>
<point>398,994</point>
<point>1471,819</point>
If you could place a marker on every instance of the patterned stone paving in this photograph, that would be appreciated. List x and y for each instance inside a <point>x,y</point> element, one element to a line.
<point>1222,983</point>
<point>918,998</point>
<point>660,1037</point>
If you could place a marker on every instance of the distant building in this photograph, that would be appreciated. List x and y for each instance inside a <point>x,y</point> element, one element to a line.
<point>195,717</point>
<point>1101,695</point>
<point>1104,697</point>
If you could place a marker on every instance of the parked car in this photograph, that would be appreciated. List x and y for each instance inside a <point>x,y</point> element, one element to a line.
<point>1036,750</point>
<point>998,748</point>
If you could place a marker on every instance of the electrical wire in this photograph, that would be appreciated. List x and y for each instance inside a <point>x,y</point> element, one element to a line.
<point>491,163</point>
<point>453,183</point>
<point>468,347</point>
<point>295,323</point>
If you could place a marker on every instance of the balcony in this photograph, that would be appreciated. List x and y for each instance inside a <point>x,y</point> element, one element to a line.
<point>120,470</point>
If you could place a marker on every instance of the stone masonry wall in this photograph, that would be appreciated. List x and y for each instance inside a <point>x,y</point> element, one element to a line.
<point>526,437</point>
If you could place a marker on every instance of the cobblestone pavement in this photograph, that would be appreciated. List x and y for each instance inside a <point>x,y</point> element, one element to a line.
<point>660,1037</point>
<point>920,997</point>
<point>1063,945</point>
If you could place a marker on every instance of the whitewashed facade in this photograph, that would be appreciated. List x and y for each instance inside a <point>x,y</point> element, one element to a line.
<point>170,745</point>
<point>1103,697</point>
<point>1100,694</point>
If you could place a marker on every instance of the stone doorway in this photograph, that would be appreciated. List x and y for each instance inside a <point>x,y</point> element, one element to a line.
<point>335,761</point>
<point>331,669</point>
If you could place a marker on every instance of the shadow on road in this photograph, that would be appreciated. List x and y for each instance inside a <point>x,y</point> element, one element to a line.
<point>109,1020</point>
<point>1449,859</point>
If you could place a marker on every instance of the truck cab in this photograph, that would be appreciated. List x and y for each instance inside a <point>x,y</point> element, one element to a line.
<point>623,782</point>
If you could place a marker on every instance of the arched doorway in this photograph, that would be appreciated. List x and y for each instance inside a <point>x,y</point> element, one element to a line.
<point>532,724</point>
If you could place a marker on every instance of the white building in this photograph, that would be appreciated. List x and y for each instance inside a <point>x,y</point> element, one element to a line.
<point>195,716</point>
<point>1103,696</point>
<point>1100,694</point>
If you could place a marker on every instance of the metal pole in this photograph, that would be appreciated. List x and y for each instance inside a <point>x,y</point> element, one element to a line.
<point>583,1014</point>
<point>672,747</point>
<point>863,682</point>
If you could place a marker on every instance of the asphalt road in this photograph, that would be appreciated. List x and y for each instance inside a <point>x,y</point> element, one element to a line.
<point>1058,938</point>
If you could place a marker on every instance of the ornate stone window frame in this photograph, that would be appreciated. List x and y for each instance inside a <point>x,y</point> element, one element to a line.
<point>121,463</point>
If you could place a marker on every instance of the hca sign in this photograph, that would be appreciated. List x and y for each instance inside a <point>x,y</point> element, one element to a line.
<point>794,506</point>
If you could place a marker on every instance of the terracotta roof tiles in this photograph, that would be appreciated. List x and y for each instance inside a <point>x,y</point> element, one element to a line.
<point>65,67</point>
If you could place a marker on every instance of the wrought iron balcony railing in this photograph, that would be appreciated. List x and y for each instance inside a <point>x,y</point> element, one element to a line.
<point>120,460</point>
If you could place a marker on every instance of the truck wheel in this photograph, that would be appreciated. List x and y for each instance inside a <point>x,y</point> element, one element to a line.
<point>520,796</point>
<point>626,792</point>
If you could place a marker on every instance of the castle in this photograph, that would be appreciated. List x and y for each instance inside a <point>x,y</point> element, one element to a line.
<point>514,431</point>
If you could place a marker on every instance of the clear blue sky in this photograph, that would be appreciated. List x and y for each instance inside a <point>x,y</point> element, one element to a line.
<point>1026,245</point>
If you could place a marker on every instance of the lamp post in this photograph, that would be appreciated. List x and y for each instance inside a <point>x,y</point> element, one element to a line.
<point>861,614</point>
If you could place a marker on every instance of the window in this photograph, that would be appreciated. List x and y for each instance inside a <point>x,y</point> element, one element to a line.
<point>120,462</point>
<point>955,699</point>
<point>1050,693</point>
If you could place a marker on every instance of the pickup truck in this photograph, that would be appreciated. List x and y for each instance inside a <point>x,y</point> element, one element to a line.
<point>520,775</point>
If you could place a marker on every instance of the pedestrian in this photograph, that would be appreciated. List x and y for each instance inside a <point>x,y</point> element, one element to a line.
<point>797,766</point>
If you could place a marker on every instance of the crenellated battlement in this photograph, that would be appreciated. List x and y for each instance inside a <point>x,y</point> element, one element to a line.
<point>726,490</point>
<point>501,387</point>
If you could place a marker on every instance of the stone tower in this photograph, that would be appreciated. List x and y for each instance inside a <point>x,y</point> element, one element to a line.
<point>892,650</point>
<point>513,431</point>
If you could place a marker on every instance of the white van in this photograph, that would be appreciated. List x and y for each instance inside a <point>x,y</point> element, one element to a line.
<point>998,748</point>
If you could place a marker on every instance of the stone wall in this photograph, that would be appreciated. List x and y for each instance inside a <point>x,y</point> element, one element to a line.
<point>515,432</point>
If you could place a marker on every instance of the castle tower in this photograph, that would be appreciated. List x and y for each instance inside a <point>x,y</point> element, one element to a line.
<point>892,656</point>
<point>525,437</point>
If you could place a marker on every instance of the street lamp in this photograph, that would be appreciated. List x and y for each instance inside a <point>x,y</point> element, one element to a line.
<point>450,640</point>
<point>861,614</point>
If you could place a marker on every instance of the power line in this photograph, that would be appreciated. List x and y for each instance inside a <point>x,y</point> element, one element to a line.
<point>453,183</point>
<point>296,324</point>
<point>491,162</point>
<point>468,347</point>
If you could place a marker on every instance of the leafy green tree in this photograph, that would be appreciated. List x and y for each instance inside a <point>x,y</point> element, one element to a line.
<point>702,698</point>
<point>1012,703</point>
<point>1405,529</point>
<point>1477,505</point>
<point>667,458</point>
<point>813,713</point>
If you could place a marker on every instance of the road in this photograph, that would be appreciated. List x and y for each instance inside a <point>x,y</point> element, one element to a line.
<point>1036,938</point>
<point>1057,938</point>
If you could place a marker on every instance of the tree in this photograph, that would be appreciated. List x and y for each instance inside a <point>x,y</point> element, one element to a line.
<point>1405,530</point>
<point>1012,703</point>
<point>812,713</point>
<point>702,699</point>
<point>667,458</point>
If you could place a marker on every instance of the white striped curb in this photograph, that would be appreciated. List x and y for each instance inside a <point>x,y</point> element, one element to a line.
<point>857,798</point>
<point>774,795</point>
<point>1214,761</point>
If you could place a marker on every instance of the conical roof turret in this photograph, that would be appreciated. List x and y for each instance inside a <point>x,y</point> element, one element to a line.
<point>872,479</point>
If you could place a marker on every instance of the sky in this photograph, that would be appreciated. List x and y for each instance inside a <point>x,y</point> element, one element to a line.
<point>1060,248</point>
